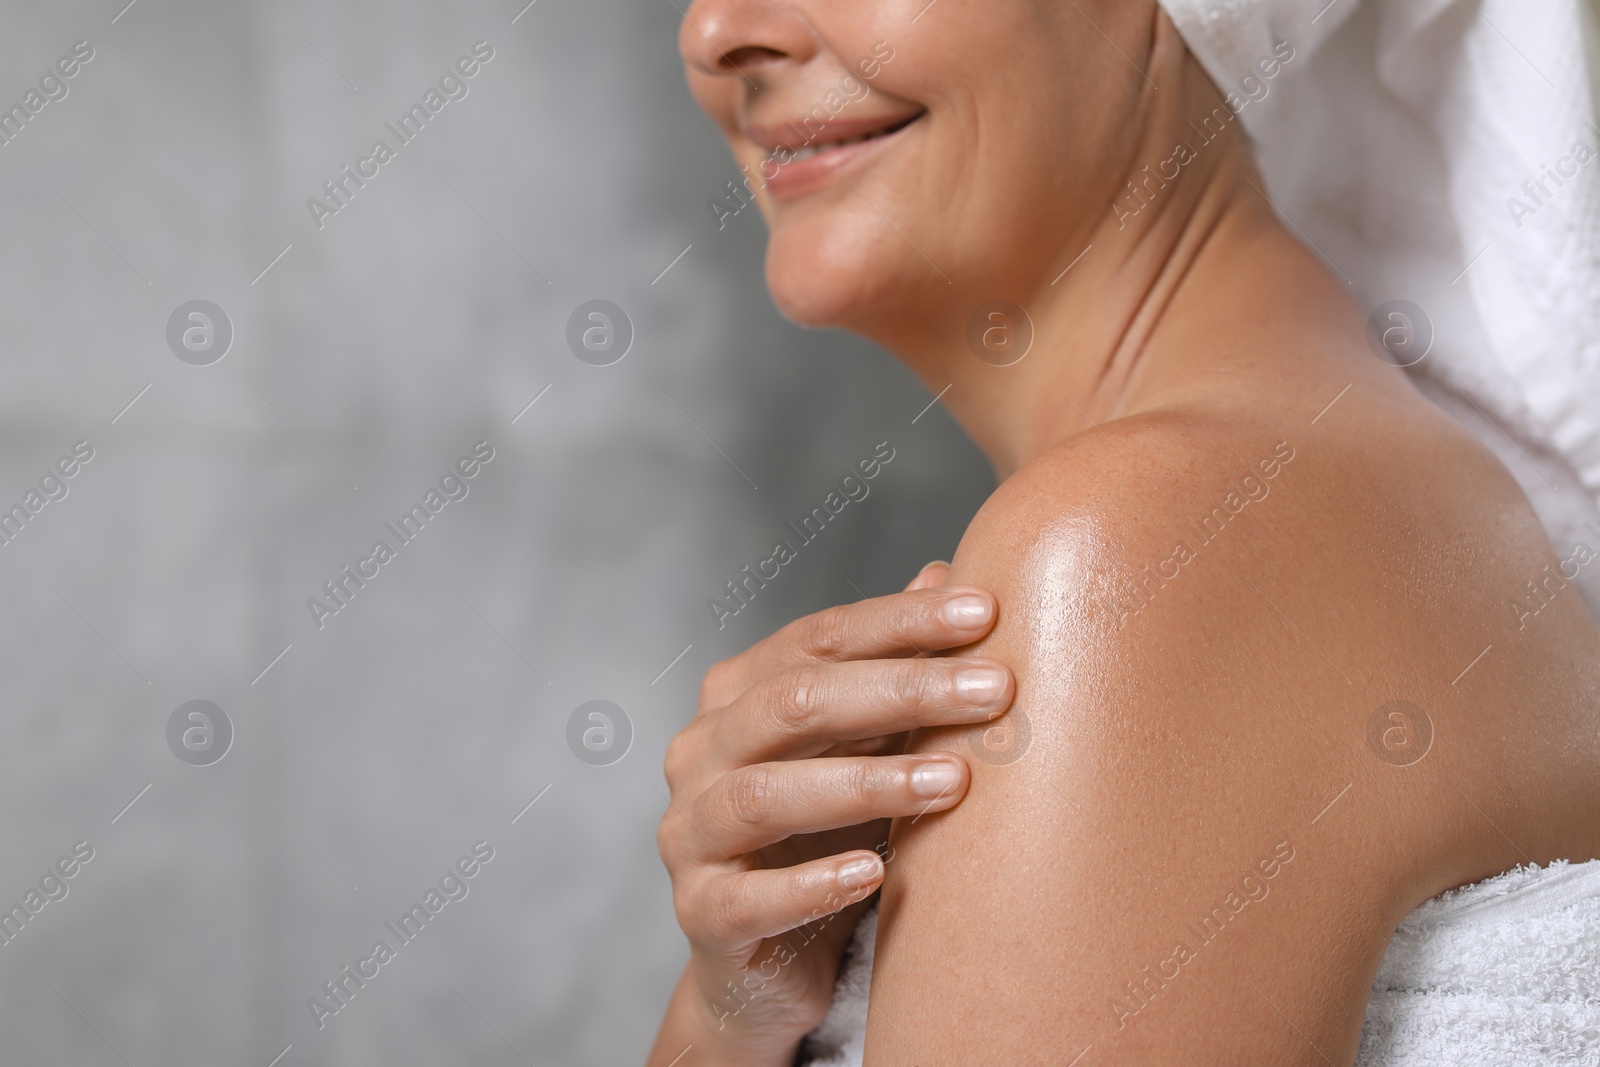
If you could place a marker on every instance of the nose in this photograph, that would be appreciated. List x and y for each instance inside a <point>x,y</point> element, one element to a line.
<point>744,37</point>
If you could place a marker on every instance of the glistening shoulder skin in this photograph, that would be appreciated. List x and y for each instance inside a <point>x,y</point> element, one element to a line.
<point>1168,756</point>
<point>1063,904</point>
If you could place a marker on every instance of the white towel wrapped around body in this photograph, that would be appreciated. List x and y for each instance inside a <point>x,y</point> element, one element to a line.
<point>1502,973</point>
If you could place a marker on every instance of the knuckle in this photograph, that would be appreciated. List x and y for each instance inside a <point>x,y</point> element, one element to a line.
<point>827,633</point>
<point>912,684</point>
<point>677,762</point>
<point>734,911</point>
<point>717,685</point>
<point>665,839</point>
<point>675,842</point>
<point>748,795</point>
<point>686,909</point>
<point>795,704</point>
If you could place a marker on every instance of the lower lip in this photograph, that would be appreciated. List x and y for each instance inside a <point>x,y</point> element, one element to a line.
<point>801,176</point>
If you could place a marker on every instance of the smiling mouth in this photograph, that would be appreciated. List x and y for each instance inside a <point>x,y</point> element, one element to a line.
<point>805,157</point>
<point>815,148</point>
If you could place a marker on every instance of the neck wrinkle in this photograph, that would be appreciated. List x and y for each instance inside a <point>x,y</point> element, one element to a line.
<point>1096,338</point>
<point>1201,237</point>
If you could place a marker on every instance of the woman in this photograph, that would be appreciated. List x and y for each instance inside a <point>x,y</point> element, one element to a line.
<point>1226,588</point>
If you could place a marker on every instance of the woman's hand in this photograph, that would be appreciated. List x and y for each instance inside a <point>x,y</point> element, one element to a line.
<point>782,786</point>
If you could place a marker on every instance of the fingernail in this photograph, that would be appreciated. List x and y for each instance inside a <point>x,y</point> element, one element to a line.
<point>858,872</point>
<point>980,685</point>
<point>935,779</point>
<point>966,612</point>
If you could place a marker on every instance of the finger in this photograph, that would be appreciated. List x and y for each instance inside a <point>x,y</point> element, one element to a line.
<point>739,908</point>
<point>762,804</point>
<point>930,576</point>
<point>919,622</point>
<point>800,713</point>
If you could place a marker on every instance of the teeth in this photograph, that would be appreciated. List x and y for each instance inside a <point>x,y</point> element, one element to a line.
<point>812,149</point>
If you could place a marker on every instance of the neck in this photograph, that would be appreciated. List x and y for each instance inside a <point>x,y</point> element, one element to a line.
<point>1187,249</point>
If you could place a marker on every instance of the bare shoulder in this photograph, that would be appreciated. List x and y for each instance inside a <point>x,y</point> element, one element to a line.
<point>1243,745</point>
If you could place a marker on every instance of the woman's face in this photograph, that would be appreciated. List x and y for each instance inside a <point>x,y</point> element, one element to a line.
<point>909,155</point>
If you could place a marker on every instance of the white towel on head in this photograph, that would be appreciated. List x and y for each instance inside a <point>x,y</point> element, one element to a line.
<point>1503,973</point>
<point>1230,37</point>
<point>1446,152</point>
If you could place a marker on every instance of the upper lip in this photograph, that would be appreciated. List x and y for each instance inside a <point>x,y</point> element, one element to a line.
<point>802,131</point>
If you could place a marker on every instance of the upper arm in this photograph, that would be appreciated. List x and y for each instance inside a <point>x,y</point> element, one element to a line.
<point>1155,877</point>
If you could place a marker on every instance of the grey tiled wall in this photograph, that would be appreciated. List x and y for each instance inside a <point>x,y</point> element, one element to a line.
<point>426,714</point>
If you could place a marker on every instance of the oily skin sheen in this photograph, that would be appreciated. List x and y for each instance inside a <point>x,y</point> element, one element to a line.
<point>1215,727</point>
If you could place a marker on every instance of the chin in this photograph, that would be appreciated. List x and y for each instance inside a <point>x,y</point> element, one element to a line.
<point>842,272</point>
